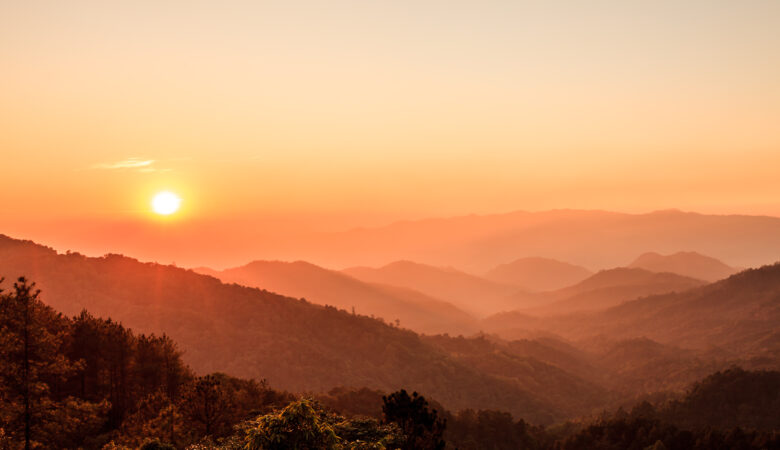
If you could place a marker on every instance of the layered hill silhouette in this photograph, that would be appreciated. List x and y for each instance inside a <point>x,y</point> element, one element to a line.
<point>736,317</point>
<point>538,274</point>
<point>468,292</point>
<point>300,279</point>
<point>690,264</point>
<point>612,287</point>
<point>588,238</point>
<point>542,368</point>
<point>294,344</point>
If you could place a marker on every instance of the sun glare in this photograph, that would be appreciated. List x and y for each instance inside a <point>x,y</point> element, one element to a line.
<point>166,203</point>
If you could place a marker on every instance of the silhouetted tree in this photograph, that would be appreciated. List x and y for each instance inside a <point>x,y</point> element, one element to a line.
<point>118,346</point>
<point>421,427</point>
<point>31,363</point>
<point>208,404</point>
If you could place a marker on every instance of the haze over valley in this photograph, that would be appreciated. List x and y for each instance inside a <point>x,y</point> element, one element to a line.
<point>407,225</point>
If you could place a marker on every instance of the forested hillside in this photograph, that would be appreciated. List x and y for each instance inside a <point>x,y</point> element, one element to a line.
<point>97,384</point>
<point>248,332</point>
<point>412,309</point>
<point>737,316</point>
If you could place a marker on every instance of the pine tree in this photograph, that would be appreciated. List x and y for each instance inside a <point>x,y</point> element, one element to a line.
<point>31,360</point>
<point>421,427</point>
<point>207,404</point>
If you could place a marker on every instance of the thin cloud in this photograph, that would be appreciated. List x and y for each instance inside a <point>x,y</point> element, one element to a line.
<point>130,163</point>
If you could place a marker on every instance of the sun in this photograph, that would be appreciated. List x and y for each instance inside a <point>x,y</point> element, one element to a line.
<point>166,203</point>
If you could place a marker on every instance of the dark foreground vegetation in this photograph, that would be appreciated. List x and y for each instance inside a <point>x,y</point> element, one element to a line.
<point>87,382</point>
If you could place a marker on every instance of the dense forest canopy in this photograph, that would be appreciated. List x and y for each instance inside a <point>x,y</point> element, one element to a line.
<point>88,382</point>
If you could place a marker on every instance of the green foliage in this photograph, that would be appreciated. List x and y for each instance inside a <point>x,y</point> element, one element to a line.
<point>304,424</point>
<point>297,426</point>
<point>354,402</point>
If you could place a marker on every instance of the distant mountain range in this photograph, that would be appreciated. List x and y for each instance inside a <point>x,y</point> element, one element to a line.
<point>612,287</point>
<point>592,239</point>
<point>432,299</point>
<point>690,264</point>
<point>735,317</point>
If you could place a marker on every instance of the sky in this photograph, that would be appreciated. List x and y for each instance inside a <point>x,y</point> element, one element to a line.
<point>334,114</point>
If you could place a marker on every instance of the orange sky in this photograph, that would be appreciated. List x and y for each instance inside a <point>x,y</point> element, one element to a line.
<point>334,114</point>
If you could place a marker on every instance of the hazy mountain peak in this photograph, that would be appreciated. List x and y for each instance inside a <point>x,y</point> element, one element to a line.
<point>469,292</point>
<point>538,273</point>
<point>688,263</point>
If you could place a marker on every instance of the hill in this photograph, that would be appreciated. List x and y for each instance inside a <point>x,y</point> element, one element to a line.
<point>538,274</point>
<point>509,361</point>
<point>299,279</point>
<point>728,399</point>
<point>612,287</point>
<point>477,243</point>
<point>602,290</point>
<point>468,292</point>
<point>737,317</point>
<point>252,333</point>
<point>689,264</point>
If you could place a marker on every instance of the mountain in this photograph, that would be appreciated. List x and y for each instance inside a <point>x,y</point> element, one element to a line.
<point>612,287</point>
<point>468,292</point>
<point>300,279</point>
<point>477,243</point>
<point>735,318</point>
<point>253,333</point>
<point>689,264</point>
<point>538,274</point>
<point>473,243</point>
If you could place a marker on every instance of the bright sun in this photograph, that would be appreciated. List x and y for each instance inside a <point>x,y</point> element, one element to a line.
<point>166,203</point>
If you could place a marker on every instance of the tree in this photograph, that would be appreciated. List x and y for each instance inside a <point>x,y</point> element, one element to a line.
<point>86,345</point>
<point>31,362</point>
<point>158,368</point>
<point>208,404</point>
<point>421,427</point>
<point>298,426</point>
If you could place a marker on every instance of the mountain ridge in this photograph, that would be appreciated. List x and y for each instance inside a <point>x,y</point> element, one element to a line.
<point>538,274</point>
<point>301,279</point>
<point>691,264</point>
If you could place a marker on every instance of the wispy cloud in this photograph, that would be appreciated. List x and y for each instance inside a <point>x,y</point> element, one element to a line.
<point>129,163</point>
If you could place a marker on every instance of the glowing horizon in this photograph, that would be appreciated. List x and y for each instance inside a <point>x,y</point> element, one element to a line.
<point>362,114</point>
